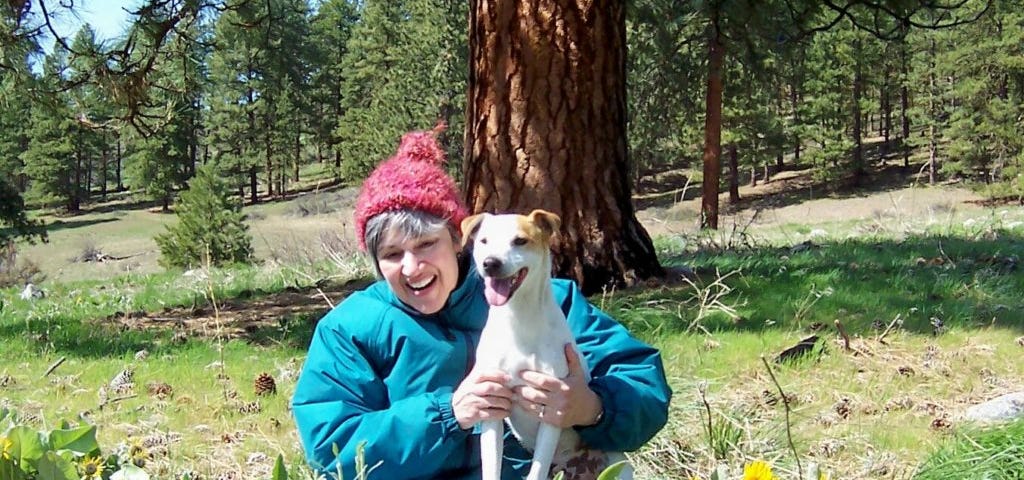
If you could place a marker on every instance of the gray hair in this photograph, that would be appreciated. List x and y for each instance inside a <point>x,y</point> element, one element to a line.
<point>408,223</point>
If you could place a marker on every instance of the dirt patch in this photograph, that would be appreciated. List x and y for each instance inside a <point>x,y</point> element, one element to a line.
<point>240,317</point>
<point>794,197</point>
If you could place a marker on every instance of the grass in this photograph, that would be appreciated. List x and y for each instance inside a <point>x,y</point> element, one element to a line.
<point>985,452</point>
<point>770,288</point>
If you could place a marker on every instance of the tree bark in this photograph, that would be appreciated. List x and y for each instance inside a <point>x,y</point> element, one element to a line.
<point>885,122</point>
<point>734,175</point>
<point>117,170</point>
<point>932,110</point>
<point>546,128</point>
<point>904,105</point>
<point>104,161</point>
<point>794,99</point>
<point>712,126</point>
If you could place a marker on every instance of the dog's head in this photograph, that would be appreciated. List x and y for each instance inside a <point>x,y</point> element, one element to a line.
<point>507,249</point>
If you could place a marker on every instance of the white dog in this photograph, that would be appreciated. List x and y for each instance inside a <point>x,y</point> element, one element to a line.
<point>525,330</point>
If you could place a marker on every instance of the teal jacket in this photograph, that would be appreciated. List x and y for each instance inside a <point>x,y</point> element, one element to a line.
<point>380,376</point>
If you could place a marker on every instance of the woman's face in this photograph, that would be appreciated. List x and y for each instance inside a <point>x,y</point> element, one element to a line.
<point>422,271</point>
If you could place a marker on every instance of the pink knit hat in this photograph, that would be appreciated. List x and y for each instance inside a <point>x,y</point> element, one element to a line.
<point>411,179</point>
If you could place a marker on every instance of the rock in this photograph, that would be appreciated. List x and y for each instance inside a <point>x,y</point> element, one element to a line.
<point>1005,407</point>
<point>31,291</point>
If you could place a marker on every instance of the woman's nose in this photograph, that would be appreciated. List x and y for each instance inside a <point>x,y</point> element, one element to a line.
<point>409,263</point>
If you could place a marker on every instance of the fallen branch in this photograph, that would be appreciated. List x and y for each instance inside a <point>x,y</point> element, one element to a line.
<point>54,366</point>
<point>881,336</point>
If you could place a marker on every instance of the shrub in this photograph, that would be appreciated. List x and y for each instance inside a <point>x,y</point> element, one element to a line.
<point>210,228</point>
<point>14,273</point>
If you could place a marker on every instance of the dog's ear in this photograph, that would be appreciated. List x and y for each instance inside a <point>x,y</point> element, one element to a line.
<point>469,227</point>
<point>547,222</point>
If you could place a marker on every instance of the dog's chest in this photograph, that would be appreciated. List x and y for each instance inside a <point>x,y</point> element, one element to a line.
<point>513,346</point>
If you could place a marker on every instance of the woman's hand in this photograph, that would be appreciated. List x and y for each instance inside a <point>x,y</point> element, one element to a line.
<point>561,402</point>
<point>483,395</point>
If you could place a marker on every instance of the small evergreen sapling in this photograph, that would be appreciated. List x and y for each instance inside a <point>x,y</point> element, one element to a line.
<point>210,224</point>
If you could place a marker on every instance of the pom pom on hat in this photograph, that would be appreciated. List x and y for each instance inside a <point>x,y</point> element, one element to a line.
<point>411,179</point>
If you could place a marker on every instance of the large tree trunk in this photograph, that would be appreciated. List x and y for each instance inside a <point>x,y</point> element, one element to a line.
<point>546,128</point>
<point>712,127</point>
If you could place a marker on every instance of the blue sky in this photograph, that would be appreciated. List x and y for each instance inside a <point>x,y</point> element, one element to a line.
<point>107,17</point>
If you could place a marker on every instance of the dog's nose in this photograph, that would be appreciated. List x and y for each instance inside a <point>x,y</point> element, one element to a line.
<point>492,265</point>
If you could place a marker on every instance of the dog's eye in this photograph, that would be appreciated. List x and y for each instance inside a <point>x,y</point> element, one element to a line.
<point>519,241</point>
<point>483,240</point>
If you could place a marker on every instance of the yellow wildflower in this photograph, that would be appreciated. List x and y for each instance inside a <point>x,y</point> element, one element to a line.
<point>758,470</point>
<point>91,468</point>
<point>6,445</point>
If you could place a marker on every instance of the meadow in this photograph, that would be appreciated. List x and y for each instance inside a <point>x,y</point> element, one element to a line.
<point>913,292</point>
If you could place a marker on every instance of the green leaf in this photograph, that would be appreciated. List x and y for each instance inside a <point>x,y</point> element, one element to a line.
<point>559,476</point>
<point>130,472</point>
<point>279,473</point>
<point>81,440</point>
<point>10,470</point>
<point>53,467</point>
<point>613,471</point>
<point>27,447</point>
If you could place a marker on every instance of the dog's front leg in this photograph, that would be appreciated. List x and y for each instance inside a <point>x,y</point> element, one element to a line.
<point>492,441</point>
<point>544,451</point>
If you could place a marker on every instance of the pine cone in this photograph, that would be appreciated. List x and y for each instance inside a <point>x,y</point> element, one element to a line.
<point>250,408</point>
<point>159,390</point>
<point>123,382</point>
<point>265,384</point>
<point>842,408</point>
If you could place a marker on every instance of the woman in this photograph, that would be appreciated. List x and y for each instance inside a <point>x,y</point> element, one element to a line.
<point>390,378</point>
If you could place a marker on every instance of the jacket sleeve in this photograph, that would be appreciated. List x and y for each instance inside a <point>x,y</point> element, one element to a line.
<point>626,373</point>
<point>341,402</point>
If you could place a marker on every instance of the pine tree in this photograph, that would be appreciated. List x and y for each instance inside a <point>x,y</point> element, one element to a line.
<point>331,28</point>
<point>210,228</point>
<point>404,70</point>
<point>660,65</point>
<point>50,162</point>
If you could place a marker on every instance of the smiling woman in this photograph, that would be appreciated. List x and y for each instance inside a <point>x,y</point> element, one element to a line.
<point>391,376</point>
<point>416,254</point>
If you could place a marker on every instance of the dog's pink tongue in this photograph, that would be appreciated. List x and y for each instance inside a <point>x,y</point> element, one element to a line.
<point>497,290</point>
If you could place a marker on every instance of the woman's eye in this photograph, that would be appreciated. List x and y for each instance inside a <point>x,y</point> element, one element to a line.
<point>519,241</point>
<point>390,256</point>
<point>428,244</point>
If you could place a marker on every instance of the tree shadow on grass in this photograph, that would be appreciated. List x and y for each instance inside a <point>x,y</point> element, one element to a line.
<point>921,284</point>
<point>286,318</point>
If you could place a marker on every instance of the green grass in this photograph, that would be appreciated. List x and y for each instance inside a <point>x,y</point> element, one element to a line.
<point>745,302</point>
<point>995,453</point>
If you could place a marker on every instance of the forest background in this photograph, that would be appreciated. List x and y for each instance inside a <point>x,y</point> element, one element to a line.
<point>286,98</point>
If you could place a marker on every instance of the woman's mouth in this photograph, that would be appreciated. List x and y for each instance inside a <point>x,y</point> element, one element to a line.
<point>421,284</point>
